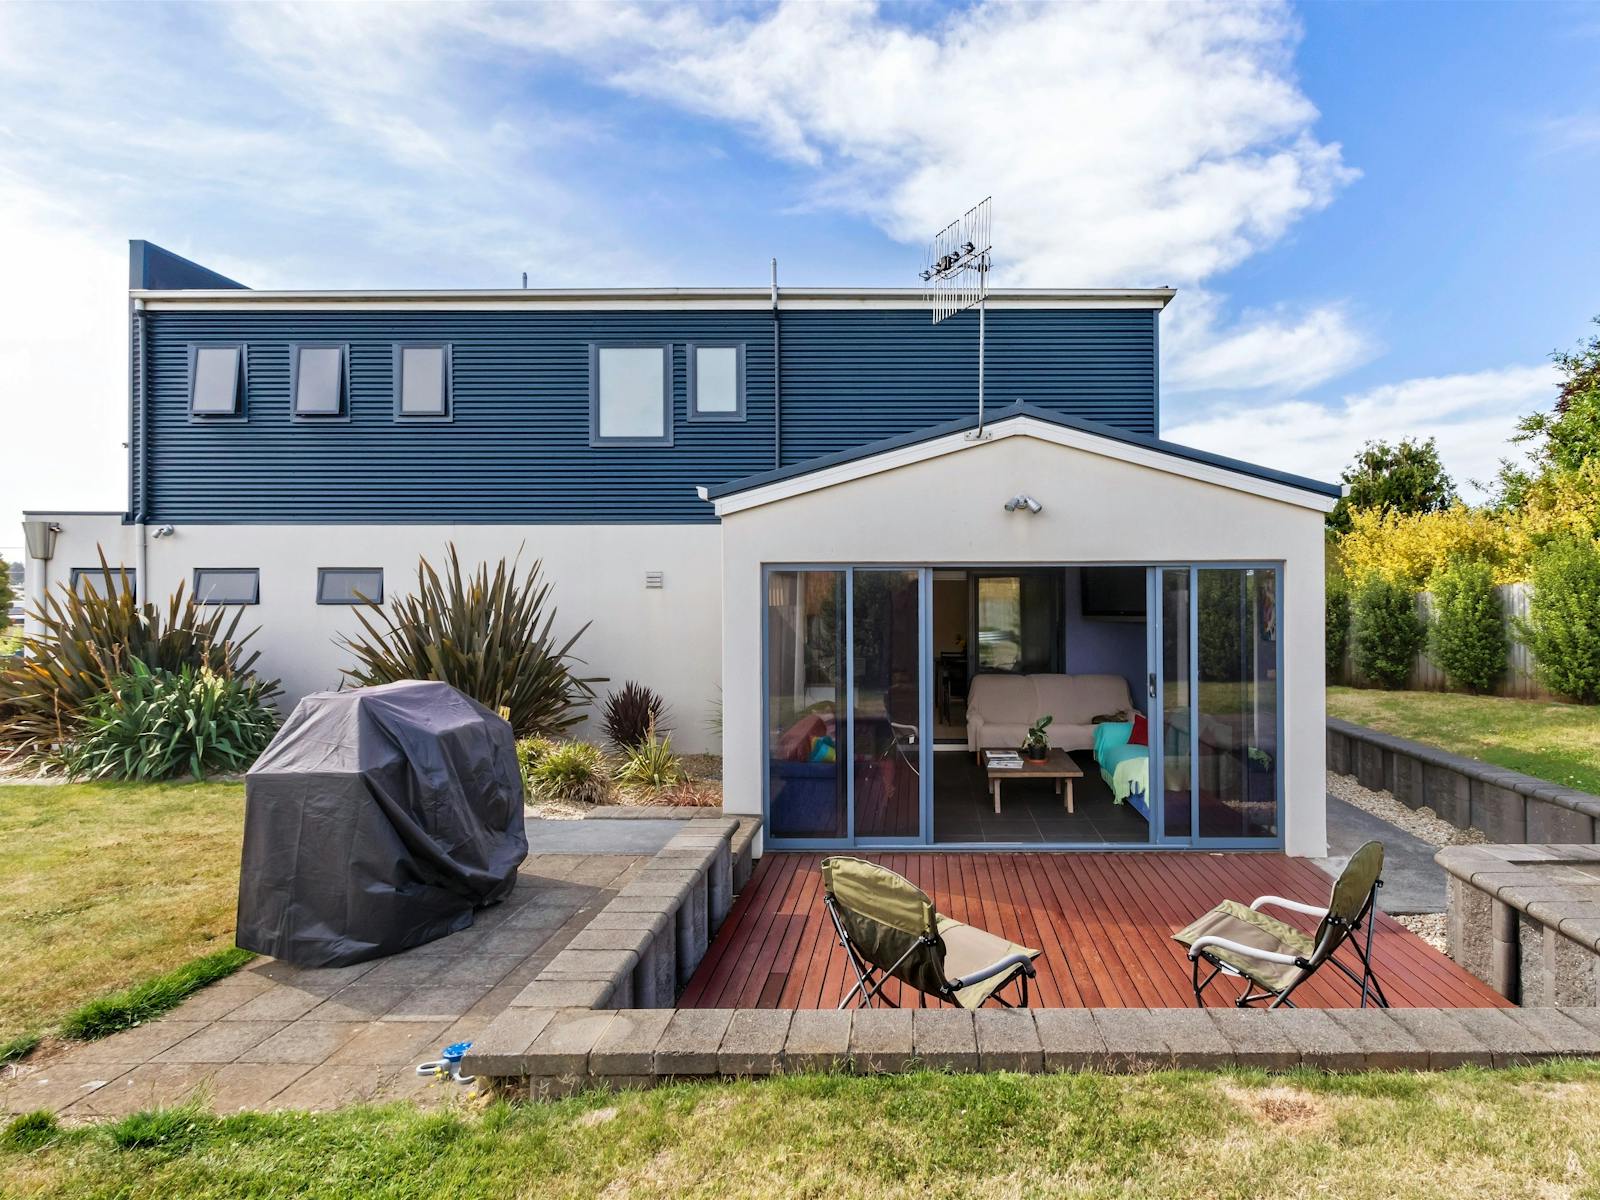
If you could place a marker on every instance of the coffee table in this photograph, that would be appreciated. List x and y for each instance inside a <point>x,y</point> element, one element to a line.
<point>1059,766</point>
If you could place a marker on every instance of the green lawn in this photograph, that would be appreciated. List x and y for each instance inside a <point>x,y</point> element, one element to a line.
<point>1526,1133</point>
<point>1558,742</point>
<point>104,885</point>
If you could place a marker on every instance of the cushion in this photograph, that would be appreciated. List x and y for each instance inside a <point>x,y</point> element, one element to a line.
<point>1140,735</point>
<point>1108,735</point>
<point>823,750</point>
<point>1004,699</point>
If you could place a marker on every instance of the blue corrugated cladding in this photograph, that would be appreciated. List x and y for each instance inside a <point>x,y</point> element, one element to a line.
<point>518,448</point>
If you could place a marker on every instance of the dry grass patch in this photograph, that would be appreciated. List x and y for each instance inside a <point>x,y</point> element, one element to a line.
<point>1280,1106</point>
<point>104,885</point>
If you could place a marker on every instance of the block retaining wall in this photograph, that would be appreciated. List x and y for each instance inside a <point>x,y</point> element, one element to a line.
<point>1507,806</point>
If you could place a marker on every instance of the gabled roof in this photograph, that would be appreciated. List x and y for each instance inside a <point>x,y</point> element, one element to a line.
<point>1026,420</point>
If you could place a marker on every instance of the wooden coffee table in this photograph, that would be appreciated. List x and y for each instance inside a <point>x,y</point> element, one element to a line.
<point>1059,766</point>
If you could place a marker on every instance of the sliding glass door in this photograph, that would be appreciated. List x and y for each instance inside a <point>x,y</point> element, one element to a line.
<point>847,704</point>
<point>1218,697</point>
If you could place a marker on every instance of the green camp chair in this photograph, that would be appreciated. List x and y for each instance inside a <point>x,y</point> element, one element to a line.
<point>1274,958</point>
<point>889,929</point>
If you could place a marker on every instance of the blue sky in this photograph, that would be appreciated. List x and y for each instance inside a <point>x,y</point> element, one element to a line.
<point>1379,217</point>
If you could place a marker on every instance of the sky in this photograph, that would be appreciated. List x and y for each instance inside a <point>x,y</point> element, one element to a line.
<point>1379,217</point>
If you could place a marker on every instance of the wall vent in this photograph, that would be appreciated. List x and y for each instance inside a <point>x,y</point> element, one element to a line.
<point>654,579</point>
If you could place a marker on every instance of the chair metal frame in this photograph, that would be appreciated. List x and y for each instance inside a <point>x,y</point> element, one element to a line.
<point>870,980</point>
<point>1336,935</point>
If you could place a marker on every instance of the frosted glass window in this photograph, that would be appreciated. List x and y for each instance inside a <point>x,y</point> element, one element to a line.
<point>423,392</point>
<point>716,380</point>
<point>215,390</point>
<point>350,585</point>
<point>631,394</point>
<point>319,381</point>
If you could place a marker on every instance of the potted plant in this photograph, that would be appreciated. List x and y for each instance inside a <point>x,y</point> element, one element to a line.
<point>1036,746</point>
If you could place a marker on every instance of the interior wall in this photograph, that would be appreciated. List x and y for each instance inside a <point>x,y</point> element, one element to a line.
<point>949,614</point>
<point>1099,647</point>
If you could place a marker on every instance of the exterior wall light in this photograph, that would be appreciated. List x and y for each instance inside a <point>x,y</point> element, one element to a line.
<point>162,531</point>
<point>1022,502</point>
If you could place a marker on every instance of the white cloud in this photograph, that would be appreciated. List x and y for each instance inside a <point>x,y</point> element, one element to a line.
<point>1282,350</point>
<point>1471,416</point>
<point>1123,143</point>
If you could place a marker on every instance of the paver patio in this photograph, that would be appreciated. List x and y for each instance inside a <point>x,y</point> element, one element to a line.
<point>280,1036</point>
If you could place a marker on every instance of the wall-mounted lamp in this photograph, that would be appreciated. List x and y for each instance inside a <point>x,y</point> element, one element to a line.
<point>41,538</point>
<point>1022,501</point>
<point>163,531</point>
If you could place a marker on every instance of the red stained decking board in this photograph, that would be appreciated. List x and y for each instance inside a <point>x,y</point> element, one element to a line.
<point>1104,921</point>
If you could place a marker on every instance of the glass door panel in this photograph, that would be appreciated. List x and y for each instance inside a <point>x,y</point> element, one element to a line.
<point>886,717</point>
<point>1177,800</point>
<point>807,739</point>
<point>1236,725</point>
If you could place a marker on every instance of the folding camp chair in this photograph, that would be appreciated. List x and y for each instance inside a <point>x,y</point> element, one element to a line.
<point>1274,958</point>
<point>889,929</point>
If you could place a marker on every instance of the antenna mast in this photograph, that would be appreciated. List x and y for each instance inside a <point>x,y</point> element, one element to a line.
<point>957,276</point>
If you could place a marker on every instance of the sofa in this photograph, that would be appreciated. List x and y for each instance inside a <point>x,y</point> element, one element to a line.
<point>1001,707</point>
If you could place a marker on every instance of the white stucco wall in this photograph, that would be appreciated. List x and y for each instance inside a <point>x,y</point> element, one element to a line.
<point>1097,509</point>
<point>668,639</point>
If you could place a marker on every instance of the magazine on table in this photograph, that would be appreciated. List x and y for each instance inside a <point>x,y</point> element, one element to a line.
<point>1006,760</point>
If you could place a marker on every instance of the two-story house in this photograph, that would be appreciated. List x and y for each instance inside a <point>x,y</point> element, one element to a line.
<point>779,508</point>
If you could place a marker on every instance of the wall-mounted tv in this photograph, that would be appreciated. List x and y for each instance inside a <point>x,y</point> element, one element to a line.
<point>1113,593</point>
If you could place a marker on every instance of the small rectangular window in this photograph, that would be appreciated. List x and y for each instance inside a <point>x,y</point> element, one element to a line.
<point>422,382</point>
<point>227,585</point>
<point>215,378</point>
<point>716,383</point>
<point>317,381</point>
<point>85,578</point>
<point>630,397</point>
<point>349,585</point>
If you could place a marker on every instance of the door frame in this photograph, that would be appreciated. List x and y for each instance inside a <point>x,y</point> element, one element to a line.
<point>925,839</point>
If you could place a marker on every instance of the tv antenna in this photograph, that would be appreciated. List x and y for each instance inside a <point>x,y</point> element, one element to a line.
<point>957,276</point>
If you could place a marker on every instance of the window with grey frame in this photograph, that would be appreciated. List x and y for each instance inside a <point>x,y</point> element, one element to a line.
<point>422,381</point>
<point>227,585</point>
<point>95,577</point>
<point>716,381</point>
<point>217,383</point>
<point>319,382</point>
<point>349,585</point>
<point>630,394</point>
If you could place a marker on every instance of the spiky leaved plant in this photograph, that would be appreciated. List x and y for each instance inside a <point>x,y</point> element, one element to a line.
<point>488,635</point>
<point>87,640</point>
<point>631,712</point>
<point>651,765</point>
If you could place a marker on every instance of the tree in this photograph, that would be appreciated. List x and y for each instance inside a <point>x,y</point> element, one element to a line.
<point>1467,635</point>
<point>7,596</point>
<point>1564,440</point>
<point>1563,626</point>
<point>1406,478</point>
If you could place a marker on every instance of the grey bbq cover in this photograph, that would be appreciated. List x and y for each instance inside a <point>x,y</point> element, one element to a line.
<point>378,819</point>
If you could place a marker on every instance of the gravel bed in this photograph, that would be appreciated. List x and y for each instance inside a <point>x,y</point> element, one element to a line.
<point>1427,926</point>
<point>1422,823</point>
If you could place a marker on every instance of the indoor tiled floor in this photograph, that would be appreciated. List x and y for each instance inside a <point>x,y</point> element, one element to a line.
<point>1031,811</point>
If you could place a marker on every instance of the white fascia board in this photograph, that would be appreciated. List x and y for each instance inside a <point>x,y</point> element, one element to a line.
<point>1044,431</point>
<point>620,299</point>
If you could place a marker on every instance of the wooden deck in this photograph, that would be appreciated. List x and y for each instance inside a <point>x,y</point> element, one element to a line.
<point>1104,922</point>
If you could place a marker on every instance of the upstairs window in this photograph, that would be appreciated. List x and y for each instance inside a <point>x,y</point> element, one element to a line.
<point>349,585</point>
<point>422,382</point>
<point>318,381</point>
<point>216,382</point>
<point>630,398</point>
<point>227,585</point>
<point>716,382</point>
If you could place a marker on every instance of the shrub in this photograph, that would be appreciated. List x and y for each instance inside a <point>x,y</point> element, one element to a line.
<point>158,724</point>
<point>631,713</point>
<point>530,751</point>
<point>489,636</point>
<point>1337,628</point>
<point>1467,634</point>
<point>87,641</point>
<point>1563,626</point>
<point>574,772</point>
<point>651,765</point>
<point>1387,631</point>
<point>1408,548</point>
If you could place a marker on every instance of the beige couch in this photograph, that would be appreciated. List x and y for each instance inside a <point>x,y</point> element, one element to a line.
<point>1001,707</point>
